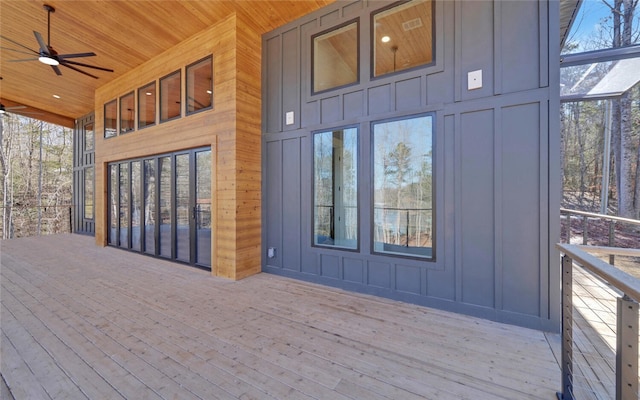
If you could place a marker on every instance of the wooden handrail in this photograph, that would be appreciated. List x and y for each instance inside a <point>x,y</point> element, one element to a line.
<point>624,282</point>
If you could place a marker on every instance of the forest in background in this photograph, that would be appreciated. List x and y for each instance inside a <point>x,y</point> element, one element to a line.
<point>36,197</point>
<point>583,123</point>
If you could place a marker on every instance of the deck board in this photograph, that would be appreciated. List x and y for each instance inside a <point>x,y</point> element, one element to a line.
<point>80,321</point>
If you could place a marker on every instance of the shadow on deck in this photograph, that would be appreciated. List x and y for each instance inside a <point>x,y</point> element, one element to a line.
<point>79,321</point>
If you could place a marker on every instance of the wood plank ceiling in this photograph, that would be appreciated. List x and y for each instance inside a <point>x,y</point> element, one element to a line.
<point>123,34</point>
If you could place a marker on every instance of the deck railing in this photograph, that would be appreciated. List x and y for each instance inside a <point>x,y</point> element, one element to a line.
<point>587,217</point>
<point>626,352</point>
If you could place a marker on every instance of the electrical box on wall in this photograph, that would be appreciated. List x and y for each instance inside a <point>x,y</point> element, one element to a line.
<point>474,80</point>
<point>289,118</point>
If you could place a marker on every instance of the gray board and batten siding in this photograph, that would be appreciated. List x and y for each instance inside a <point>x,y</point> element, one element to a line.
<point>495,159</point>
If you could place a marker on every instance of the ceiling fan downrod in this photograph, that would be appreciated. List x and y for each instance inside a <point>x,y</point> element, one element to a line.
<point>49,10</point>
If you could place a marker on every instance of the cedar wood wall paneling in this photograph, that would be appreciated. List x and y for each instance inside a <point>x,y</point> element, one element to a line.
<point>232,129</point>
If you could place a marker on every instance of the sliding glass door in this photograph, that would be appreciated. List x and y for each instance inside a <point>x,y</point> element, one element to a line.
<point>161,206</point>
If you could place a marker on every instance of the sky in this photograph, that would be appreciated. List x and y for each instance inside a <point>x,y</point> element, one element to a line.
<point>589,22</point>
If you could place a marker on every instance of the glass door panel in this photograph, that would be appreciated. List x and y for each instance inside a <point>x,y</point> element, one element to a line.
<point>203,208</point>
<point>113,204</point>
<point>183,209</point>
<point>150,203</point>
<point>136,205</point>
<point>165,206</point>
<point>124,205</point>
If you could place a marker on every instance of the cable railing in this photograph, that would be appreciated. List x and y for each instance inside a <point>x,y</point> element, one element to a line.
<point>588,223</point>
<point>594,366</point>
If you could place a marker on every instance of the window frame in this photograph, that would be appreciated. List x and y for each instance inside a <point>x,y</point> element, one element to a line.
<point>177,72</point>
<point>93,193</point>
<point>211,88</point>
<point>143,90</point>
<point>355,21</point>
<point>372,39</point>
<point>358,173</point>
<point>372,124</point>
<point>121,119</point>
<point>113,103</point>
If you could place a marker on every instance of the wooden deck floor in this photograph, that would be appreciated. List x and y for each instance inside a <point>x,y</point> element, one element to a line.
<point>80,321</point>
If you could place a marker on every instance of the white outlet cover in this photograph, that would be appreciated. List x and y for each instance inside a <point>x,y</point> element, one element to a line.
<point>289,118</point>
<point>474,80</point>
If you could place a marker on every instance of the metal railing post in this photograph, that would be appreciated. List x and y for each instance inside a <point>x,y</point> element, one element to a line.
<point>584,229</point>
<point>567,329</point>
<point>612,227</point>
<point>627,349</point>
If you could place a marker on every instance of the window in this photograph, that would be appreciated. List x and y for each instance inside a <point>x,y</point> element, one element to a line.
<point>403,37</point>
<point>170,97</point>
<point>403,187</point>
<point>88,192</point>
<point>88,137</point>
<point>127,113</point>
<point>335,200</point>
<point>147,105</point>
<point>335,58</point>
<point>110,119</point>
<point>200,86</point>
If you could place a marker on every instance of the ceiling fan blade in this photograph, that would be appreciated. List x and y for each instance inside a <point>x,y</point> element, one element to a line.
<point>23,59</point>
<point>17,51</point>
<point>43,46</point>
<point>56,69</point>
<point>85,65</point>
<point>65,64</point>
<point>18,44</point>
<point>76,55</point>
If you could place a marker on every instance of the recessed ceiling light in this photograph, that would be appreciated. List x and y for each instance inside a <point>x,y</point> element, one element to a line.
<point>148,93</point>
<point>209,92</point>
<point>56,96</point>
<point>385,39</point>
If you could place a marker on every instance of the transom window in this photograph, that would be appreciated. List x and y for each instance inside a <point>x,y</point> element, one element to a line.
<point>170,97</point>
<point>200,86</point>
<point>403,37</point>
<point>147,105</point>
<point>403,187</point>
<point>110,119</point>
<point>335,58</point>
<point>335,176</point>
<point>127,113</point>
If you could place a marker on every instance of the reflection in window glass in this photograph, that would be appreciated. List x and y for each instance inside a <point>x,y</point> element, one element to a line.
<point>124,205</point>
<point>88,192</point>
<point>147,105</point>
<point>110,119</point>
<point>127,113</point>
<point>166,208</point>
<point>594,27</point>
<point>199,86</point>
<point>113,204</point>
<point>170,97</point>
<point>335,201</point>
<point>335,58</point>
<point>136,205</point>
<point>403,37</point>
<point>150,206</point>
<point>88,137</point>
<point>402,187</point>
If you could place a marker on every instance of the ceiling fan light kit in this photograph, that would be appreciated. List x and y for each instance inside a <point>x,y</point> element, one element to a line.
<point>48,60</point>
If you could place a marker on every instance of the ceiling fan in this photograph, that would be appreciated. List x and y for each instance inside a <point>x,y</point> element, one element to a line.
<point>4,110</point>
<point>47,55</point>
